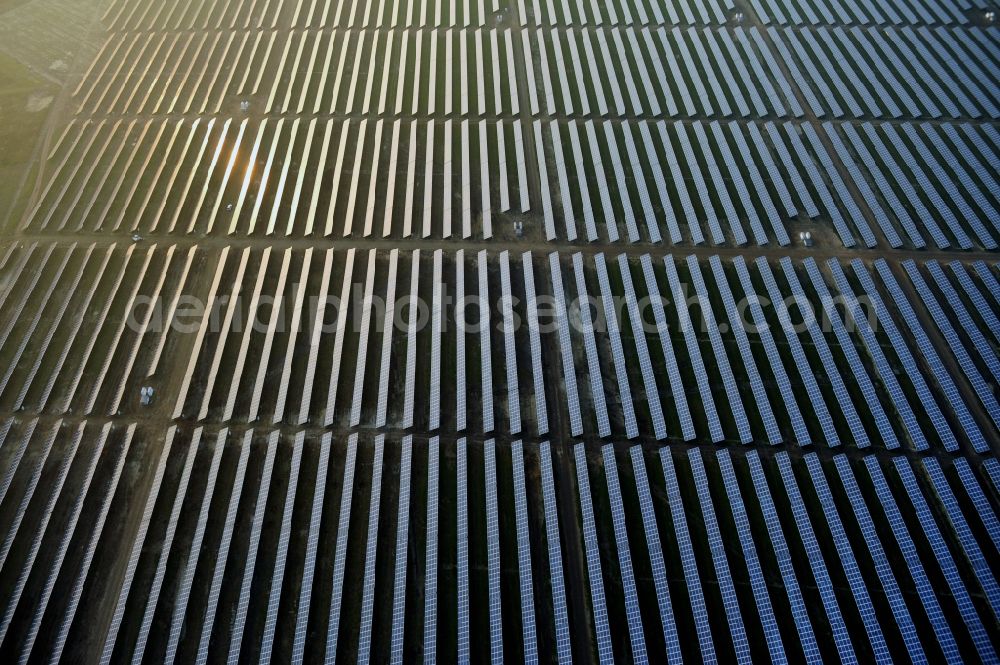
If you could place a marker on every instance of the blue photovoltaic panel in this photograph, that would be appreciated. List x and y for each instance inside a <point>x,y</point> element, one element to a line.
<point>969,368</point>
<point>924,589</point>
<point>493,551</point>
<point>736,177</point>
<point>461,323</point>
<point>693,349</point>
<point>617,350</point>
<point>402,539</point>
<point>882,566</point>
<point>781,553</point>
<point>186,579</point>
<point>509,345</point>
<point>535,344</point>
<point>942,375</point>
<point>953,578</point>
<point>655,549</point>
<point>602,630</point>
<point>590,346</point>
<point>961,527</point>
<point>559,611</point>
<point>278,574</point>
<point>757,582</point>
<point>485,353</point>
<point>850,564</point>
<point>312,547</point>
<point>566,347</point>
<point>717,546</point>
<point>222,555</point>
<point>719,348</point>
<point>525,574</point>
<point>864,382</point>
<point>979,304</point>
<point>462,556</point>
<point>632,613</point>
<point>984,508</point>
<point>666,345</point>
<point>688,559</point>
<point>639,336</point>
<point>746,354</point>
<point>924,395</point>
<point>431,559</point>
<point>340,555</point>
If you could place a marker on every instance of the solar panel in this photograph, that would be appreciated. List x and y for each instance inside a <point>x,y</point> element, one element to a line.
<point>311,549</point>
<point>969,368</point>
<point>605,652</point>
<point>222,554</point>
<point>693,352</point>
<point>510,348</point>
<point>316,334</point>
<point>543,174</point>
<point>686,549</point>
<point>909,551</point>
<point>437,323</point>
<point>272,328</point>
<point>484,181</point>
<point>743,194</point>
<point>462,556</point>
<point>984,510</point>
<point>340,555</point>
<point>847,559</point>
<point>363,334</point>
<point>493,551</point>
<point>886,374</point>
<point>718,348</point>
<point>944,558</point>
<point>660,181</point>
<point>388,325</point>
<point>485,353</point>
<point>886,431</point>
<point>862,185</point>
<point>719,183</point>
<point>758,584</point>
<point>783,557</point>
<point>522,169</point>
<point>525,574</point>
<point>717,546</point>
<point>617,350</point>
<point>882,565</point>
<point>655,550</point>
<point>161,565</point>
<point>691,162</point>
<point>466,179</point>
<point>535,345</point>
<point>590,346</point>
<point>600,172</point>
<point>402,538</point>
<point>461,312</point>
<point>286,372</point>
<point>502,167</point>
<point>431,556</point>
<point>338,343</point>
<point>186,574</point>
<point>566,347</point>
<point>13,598</point>
<point>795,347</point>
<point>580,184</point>
<point>368,590</point>
<point>639,336</point>
<point>736,327</point>
<point>677,174</point>
<point>96,529</point>
<point>611,141</point>
<point>411,342</point>
<point>774,357</point>
<point>942,175</point>
<point>632,611</point>
<point>639,181</point>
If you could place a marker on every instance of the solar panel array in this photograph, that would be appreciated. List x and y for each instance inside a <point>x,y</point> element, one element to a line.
<point>206,187</point>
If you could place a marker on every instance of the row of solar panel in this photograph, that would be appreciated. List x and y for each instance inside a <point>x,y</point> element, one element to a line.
<point>866,12</point>
<point>139,15</point>
<point>383,73</point>
<point>913,492</point>
<point>101,338</point>
<point>929,72</point>
<point>239,178</point>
